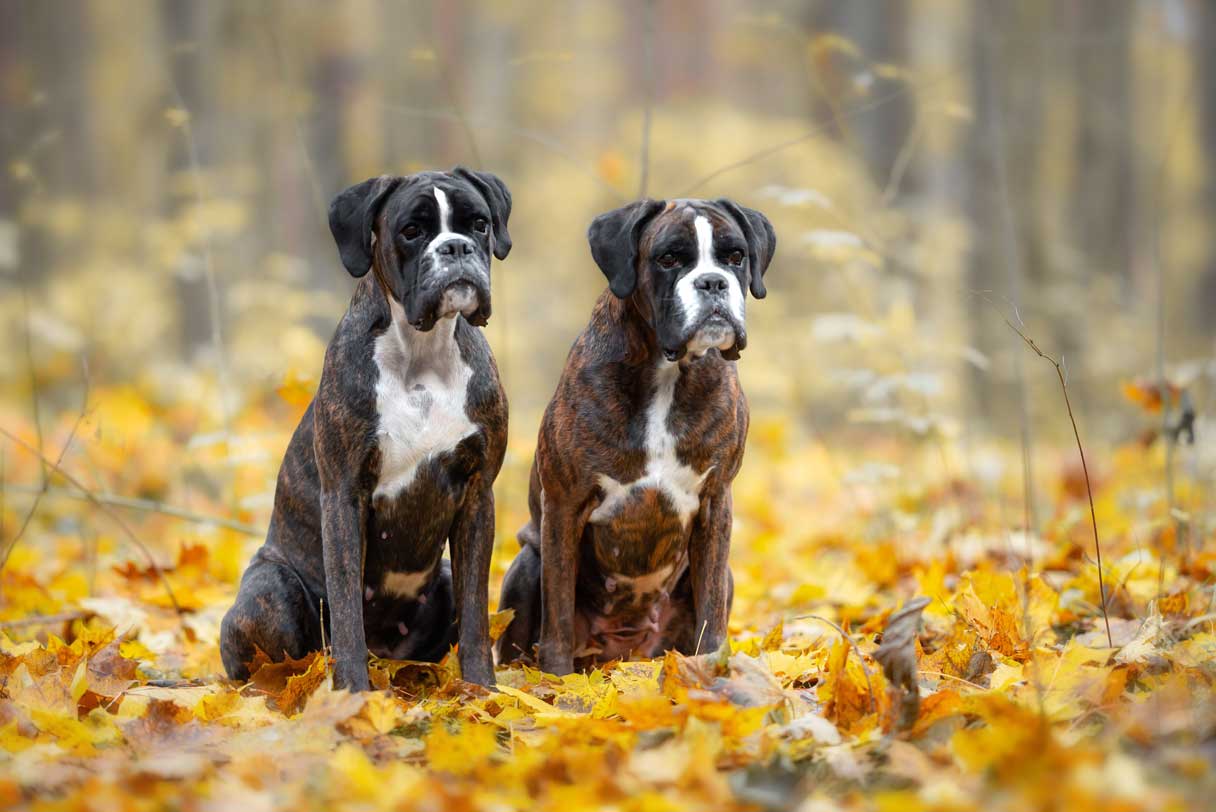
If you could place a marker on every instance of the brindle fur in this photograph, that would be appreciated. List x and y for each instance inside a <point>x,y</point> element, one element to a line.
<point>330,539</point>
<point>563,585</point>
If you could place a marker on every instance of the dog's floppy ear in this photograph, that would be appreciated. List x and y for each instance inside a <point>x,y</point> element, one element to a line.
<point>498,196</point>
<point>761,242</point>
<point>352,218</point>
<point>614,243</point>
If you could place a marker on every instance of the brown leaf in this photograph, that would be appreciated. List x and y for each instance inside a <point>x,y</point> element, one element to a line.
<point>290,682</point>
<point>897,654</point>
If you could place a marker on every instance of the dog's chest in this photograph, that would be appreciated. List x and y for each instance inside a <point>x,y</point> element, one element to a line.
<point>421,396</point>
<point>679,482</point>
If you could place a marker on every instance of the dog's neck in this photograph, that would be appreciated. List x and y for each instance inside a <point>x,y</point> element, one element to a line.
<point>640,344</point>
<point>640,341</point>
<point>435,346</point>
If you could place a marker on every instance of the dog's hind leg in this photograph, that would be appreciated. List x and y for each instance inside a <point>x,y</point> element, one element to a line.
<point>521,592</point>
<point>273,612</point>
<point>529,534</point>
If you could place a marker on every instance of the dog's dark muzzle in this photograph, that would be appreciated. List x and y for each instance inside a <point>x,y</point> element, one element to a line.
<point>715,318</point>
<point>455,282</point>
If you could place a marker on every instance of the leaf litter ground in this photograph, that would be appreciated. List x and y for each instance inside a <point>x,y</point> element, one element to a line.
<point>893,646</point>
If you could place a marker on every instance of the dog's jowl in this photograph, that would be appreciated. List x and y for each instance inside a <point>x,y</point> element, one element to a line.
<point>626,551</point>
<point>396,455</point>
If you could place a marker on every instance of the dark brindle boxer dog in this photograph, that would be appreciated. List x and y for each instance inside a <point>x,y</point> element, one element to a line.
<point>626,552</point>
<point>397,453</point>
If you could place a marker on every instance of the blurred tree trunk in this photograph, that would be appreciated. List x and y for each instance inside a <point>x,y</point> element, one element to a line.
<point>1204,309</point>
<point>1008,77</point>
<point>880,29</point>
<point>1101,215</point>
<point>182,22</point>
<point>1102,201</point>
<point>44,128</point>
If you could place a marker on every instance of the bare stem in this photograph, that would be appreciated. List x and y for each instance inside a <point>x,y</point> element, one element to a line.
<point>46,486</point>
<point>104,508</point>
<point>860,658</point>
<point>814,132</point>
<point>29,362</point>
<point>144,506</point>
<point>43,620</point>
<point>1093,516</point>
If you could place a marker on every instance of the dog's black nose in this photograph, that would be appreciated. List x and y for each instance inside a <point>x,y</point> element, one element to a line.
<point>452,247</point>
<point>711,283</point>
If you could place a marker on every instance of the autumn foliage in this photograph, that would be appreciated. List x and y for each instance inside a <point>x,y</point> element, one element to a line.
<point>109,698</point>
<point>918,621</point>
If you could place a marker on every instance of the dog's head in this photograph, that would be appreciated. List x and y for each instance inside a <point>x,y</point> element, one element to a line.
<point>429,236</point>
<point>688,263</point>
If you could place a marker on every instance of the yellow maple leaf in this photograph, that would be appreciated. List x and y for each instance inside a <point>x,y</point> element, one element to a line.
<point>461,752</point>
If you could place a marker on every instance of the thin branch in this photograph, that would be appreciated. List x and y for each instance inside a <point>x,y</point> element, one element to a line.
<point>209,273</point>
<point>145,506</point>
<point>104,508</point>
<point>46,484</point>
<point>860,657</point>
<point>550,143</point>
<point>33,372</point>
<point>44,620</point>
<point>1093,516</point>
<point>903,160</point>
<point>944,675</point>
<point>806,136</point>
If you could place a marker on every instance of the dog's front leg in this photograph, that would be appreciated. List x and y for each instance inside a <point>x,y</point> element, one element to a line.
<point>709,554</point>
<point>560,531</point>
<point>471,543</point>
<point>343,545</point>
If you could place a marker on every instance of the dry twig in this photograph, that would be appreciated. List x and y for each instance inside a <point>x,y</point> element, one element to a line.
<point>144,506</point>
<point>104,508</point>
<point>44,620</point>
<point>1093,516</point>
<point>46,483</point>
<point>860,657</point>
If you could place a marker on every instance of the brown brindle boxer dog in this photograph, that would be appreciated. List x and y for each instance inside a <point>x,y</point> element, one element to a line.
<point>396,455</point>
<point>626,551</point>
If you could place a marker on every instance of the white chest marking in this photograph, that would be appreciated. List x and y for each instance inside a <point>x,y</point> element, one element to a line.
<point>646,584</point>
<point>420,399</point>
<point>405,585</point>
<point>691,301</point>
<point>663,468</point>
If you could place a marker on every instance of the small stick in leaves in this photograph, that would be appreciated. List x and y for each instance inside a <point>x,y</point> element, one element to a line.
<point>1093,516</point>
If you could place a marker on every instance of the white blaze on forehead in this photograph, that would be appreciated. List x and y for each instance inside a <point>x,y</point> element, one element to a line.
<point>445,210</point>
<point>705,241</point>
<point>445,224</point>
<point>664,470</point>
<point>691,300</point>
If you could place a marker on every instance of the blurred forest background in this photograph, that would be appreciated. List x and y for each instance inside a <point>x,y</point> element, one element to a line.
<point>167,166</point>
<point>938,172</point>
<point>932,168</point>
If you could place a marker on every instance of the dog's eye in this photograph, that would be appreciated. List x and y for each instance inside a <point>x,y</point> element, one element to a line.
<point>668,261</point>
<point>411,232</point>
<point>735,258</point>
<point>480,225</point>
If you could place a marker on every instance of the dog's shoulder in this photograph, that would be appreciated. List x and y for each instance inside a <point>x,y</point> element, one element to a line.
<point>486,400</point>
<point>344,408</point>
